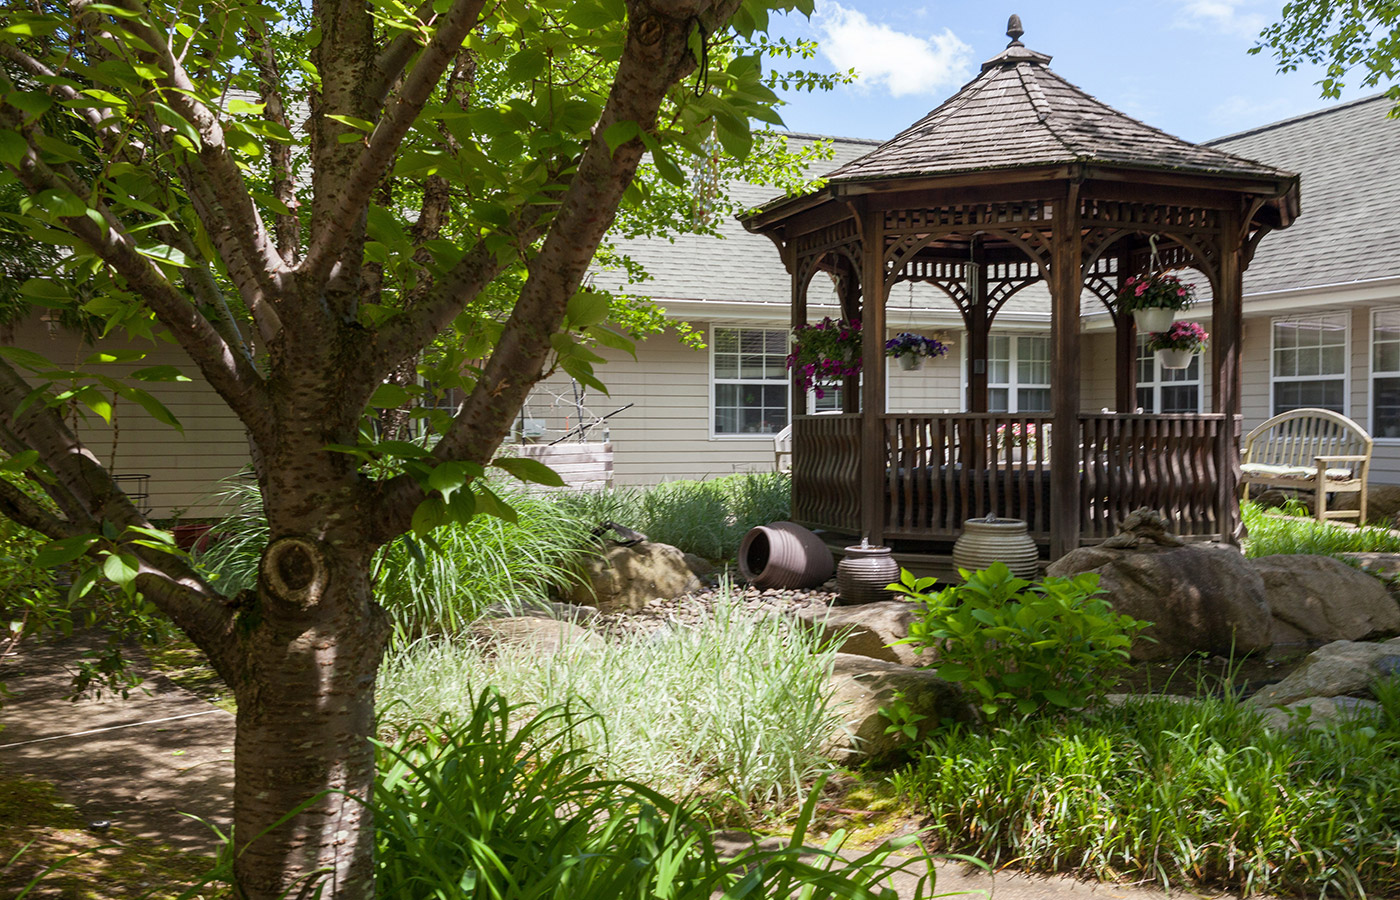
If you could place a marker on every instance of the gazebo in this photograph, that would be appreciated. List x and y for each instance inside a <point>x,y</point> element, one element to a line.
<point>1020,179</point>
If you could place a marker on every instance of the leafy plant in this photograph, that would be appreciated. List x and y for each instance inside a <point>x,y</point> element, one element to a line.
<point>1194,793</point>
<point>1272,533</point>
<point>906,343</point>
<point>488,807</point>
<point>825,352</point>
<point>1155,291</point>
<point>1180,336</point>
<point>1024,648</point>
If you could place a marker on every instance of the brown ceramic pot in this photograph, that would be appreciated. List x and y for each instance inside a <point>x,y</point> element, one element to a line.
<point>986,541</point>
<point>864,573</point>
<point>784,555</point>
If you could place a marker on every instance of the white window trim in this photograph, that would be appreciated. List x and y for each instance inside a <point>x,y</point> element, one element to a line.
<point>1157,383</point>
<point>1014,385</point>
<point>1371,375</point>
<point>786,382</point>
<point>1345,315</point>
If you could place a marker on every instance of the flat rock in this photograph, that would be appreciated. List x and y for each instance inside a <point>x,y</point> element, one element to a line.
<point>1321,712</point>
<point>631,576</point>
<point>864,685</point>
<point>1317,599</point>
<point>869,629</point>
<point>1342,668</point>
<point>1200,597</point>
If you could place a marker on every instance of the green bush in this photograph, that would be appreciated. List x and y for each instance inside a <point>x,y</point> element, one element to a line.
<point>1024,648</point>
<point>1286,531</point>
<point>1192,793</point>
<point>738,705</point>
<point>489,808</point>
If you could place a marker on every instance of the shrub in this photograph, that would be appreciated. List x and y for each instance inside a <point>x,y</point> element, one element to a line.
<point>1022,647</point>
<point>738,704</point>
<point>1181,793</point>
<point>490,808</point>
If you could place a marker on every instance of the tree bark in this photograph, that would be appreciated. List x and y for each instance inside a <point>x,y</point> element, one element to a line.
<point>313,644</point>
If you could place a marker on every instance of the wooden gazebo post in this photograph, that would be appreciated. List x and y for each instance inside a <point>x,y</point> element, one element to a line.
<point>1066,283</point>
<point>872,389</point>
<point>1227,325</point>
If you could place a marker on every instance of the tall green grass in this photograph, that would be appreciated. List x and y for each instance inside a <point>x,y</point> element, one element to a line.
<point>707,518</point>
<point>1275,532</point>
<point>491,807</point>
<point>1179,793</point>
<point>738,705</point>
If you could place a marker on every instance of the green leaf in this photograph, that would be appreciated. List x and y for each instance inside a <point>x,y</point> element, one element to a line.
<point>358,124</point>
<point>13,147</point>
<point>487,502</point>
<point>447,478</point>
<point>428,515</point>
<point>389,396</point>
<point>20,461</point>
<point>588,308</point>
<point>159,373</point>
<point>238,107</point>
<point>153,407</point>
<point>61,552</point>
<point>527,469</point>
<point>527,64</point>
<point>619,133</point>
<point>121,568</point>
<point>611,337</point>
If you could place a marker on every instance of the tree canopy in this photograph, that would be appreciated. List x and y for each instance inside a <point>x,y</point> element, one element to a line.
<point>1356,41</point>
<point>327,207</point>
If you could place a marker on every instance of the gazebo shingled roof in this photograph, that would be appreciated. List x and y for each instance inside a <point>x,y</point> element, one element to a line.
<point>1018,113</point>
<point>1022,178</point>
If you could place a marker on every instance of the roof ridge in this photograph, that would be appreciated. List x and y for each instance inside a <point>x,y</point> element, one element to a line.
<point>1043,110</point>
<point>1335,107</point>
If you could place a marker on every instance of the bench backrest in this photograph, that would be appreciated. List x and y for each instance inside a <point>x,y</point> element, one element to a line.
<point>1296,437</point>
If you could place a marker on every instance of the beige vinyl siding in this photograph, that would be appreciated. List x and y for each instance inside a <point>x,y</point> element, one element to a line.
<point>184,467</point>
<point>1098,367</point>
<point>936,388</point>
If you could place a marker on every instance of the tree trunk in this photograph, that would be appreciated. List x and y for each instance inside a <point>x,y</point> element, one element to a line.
<point>313,644</point>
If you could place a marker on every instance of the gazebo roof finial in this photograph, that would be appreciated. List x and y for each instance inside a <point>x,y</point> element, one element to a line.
<point>1014,31</point>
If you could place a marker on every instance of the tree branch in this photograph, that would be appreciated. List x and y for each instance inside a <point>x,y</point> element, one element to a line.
<point>332,231</point>
<point>390,62</point>
<point>287,225</point>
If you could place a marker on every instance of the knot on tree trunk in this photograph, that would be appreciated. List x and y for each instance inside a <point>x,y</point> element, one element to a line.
<point>294,570</point>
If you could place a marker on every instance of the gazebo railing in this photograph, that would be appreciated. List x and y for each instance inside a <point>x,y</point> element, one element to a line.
<point>943,469</point>
<point>1166,462</point>
<point>826,472</point>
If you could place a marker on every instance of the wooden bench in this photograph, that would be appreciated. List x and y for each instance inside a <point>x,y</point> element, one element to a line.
<point>1313,450</point>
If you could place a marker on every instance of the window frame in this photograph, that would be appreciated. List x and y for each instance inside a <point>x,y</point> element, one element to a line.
<point>1345,375</point>
<point>1372,373</point>
<point>1014,384</point>
<point>785,382</point>
<point>1158,383</point>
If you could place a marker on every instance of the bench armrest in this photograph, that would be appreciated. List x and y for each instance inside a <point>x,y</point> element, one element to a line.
<point>1352,458</point>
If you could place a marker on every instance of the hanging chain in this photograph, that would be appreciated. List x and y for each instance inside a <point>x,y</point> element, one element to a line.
<point>1155,263</point>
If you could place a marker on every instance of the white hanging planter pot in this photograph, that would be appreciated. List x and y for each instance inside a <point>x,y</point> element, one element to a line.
<point>1155,318</point>
<point>910,362</point>
<point>1175,359</point>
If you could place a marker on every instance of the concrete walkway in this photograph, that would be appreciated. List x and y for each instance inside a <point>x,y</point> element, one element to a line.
<point>142,762</point>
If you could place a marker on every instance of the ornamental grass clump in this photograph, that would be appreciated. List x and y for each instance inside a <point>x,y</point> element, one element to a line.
<point>1024,649</point>
<point>825,353</point>
<point>1185,794</point>
<point>1292,530</point>
<point>1158,290</point>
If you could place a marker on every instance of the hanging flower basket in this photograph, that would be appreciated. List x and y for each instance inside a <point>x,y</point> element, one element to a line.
<point>825,353</point>
<point>1175,346</point>
<point>912,349</point>
<point>1155,299</point>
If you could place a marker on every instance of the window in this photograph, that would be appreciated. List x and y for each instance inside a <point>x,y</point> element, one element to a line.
<point>1385,373</point>
<point>1162,390</point>
<point>1018,373</point>
<point>750,380</point>
<point>1310,363</point>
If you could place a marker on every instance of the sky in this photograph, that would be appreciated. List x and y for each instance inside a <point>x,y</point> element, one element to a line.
<point>1179,65</point>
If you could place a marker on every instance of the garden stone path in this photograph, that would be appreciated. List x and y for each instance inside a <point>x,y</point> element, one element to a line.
<point>165,752</point>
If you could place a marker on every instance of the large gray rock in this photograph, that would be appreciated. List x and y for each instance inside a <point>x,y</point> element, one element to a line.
<point>630,577</point>
<point>1382,503</point>
<point>1321,712</point>
<point>535,634</point>
<point>1317,599</point>
<point>1340,669</point>
<point>869,629</point>
<point>863,685</point>
<point>1200,597</point>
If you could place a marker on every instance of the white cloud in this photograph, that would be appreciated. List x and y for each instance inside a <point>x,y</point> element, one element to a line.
<point>903,64</point>
<point>1240,17</point>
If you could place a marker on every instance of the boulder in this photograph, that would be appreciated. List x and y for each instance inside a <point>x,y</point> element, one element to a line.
<point>1317,599</point>
<point>1340,669</point>
<point>1385,566</point>
<point>863,685</point>
<point>1382,503</point>
<point>533,633</point>
<point>700,565</point>
<point>629,577</point>
<point>1200,597</point>
<point>869,629</point>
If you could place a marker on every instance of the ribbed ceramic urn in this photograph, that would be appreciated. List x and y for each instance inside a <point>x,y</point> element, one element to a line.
<point>864,573</point>
<point>989,540</point>
<point>784,555</point>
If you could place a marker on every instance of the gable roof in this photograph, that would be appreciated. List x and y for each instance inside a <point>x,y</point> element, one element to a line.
<point>1019,114</point>
<point>1349,230</point>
